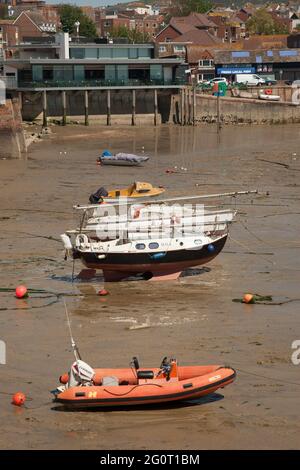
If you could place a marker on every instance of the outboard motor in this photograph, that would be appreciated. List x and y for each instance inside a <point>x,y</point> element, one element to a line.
<point>80,374</point>
<point>99,194</point>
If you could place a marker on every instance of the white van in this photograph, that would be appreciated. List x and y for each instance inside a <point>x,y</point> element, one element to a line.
<point>249,79</point>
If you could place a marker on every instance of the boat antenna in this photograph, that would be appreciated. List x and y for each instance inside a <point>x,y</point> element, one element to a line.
<point>74,346</point>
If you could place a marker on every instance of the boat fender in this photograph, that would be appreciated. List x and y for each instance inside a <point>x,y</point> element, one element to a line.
<point>268,92</point>
<point>175,220</point>
<point>81,239</point>
<point>145,374</point>
<point>66,241</point>
<point>137,212</point>
<point>63,379</point>
<point>210,248</point>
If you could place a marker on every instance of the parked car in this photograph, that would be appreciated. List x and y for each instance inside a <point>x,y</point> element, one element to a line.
<point>218,80</point>
<point>269,80</point>
<point>249,79</point>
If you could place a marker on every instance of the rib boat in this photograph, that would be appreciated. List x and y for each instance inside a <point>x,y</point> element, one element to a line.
<point>84,387</point>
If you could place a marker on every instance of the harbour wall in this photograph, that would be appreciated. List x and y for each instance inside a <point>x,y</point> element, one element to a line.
<point>244,110</point>
<point>12,139</point>
<point>97,103</point>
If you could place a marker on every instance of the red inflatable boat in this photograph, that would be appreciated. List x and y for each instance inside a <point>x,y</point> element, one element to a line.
<point>85,387</point>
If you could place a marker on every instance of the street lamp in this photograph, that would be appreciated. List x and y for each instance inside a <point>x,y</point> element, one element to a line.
<point>77,25</point>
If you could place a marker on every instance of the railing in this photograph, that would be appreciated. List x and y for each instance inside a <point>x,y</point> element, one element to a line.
<point>9,82</point>
<point>99,83</point>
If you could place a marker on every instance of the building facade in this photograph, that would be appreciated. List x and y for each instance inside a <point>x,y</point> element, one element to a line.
<point>63,64</point>
<point>281,64</point>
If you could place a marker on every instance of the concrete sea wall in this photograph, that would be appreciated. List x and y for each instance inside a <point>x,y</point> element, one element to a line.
<point>247,111</point>
<point>12,140</point>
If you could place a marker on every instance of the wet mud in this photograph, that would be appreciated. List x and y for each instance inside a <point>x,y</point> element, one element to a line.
<point>193,319</point>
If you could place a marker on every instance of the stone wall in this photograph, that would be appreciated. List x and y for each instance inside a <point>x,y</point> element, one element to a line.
<point>248,111</point>
<point>12,140</point>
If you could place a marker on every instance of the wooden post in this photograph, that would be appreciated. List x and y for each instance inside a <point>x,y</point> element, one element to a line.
<point>182,106</point>
<point>45,123</point>
<point>86,108</point>
<point>218,113</point>
<point>108,108</point>
<point>155,107</point>
<point>133,107</point>
<point>185,107</point>
<point>20,100</point>
<point>194,106</point>
<point>64,107</point>
<point>190,108</point>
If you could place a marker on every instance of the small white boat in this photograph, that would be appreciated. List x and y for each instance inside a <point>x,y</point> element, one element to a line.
<point>123,159</point>
<point>264,96</point>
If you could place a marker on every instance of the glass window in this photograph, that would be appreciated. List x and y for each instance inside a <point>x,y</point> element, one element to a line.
<point>133,53</point>
<point>79,72</point>
<point>143,53</point>
<point>122,72</point>
<point>105,53</point>
<point>153,246</point>
<point>63,72</point>
<point>120,53</point>
<point>110,72</point>
<point>77,53</point>
<point>156,72</point>
<point>91,53</point>
<point>140,246</point>
<point>37,73</point>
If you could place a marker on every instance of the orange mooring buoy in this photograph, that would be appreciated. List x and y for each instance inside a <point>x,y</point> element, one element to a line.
<point>21,292</point>
<point>248,298</point>
<point>18,399</point>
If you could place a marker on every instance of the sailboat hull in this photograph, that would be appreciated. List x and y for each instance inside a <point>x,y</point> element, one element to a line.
<point>169,265</point>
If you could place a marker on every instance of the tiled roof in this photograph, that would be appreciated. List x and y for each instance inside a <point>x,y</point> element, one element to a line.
<point>199,37</point>
<point>195,53</point>
<point>251,57</point>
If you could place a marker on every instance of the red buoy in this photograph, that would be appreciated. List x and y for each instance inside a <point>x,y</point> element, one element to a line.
<point>21,292</point>
<point>18,399</point>
<point>103,292</point>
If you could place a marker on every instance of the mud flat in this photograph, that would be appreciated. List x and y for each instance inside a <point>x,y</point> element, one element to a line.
<point>193,319</point>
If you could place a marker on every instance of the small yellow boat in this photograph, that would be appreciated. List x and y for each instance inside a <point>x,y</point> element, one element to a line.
<point>137,189</point>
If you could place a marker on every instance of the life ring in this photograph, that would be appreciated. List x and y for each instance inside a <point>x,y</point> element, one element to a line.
<point>268,91</point>
<point>81,239</point>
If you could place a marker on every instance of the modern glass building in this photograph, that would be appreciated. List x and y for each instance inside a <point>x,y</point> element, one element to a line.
<point>63,64</point>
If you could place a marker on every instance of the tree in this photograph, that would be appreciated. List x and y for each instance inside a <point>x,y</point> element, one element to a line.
<point>261,22</point>
<point>69,14</point>
<point>185,7</point>
<point>133,35</point>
